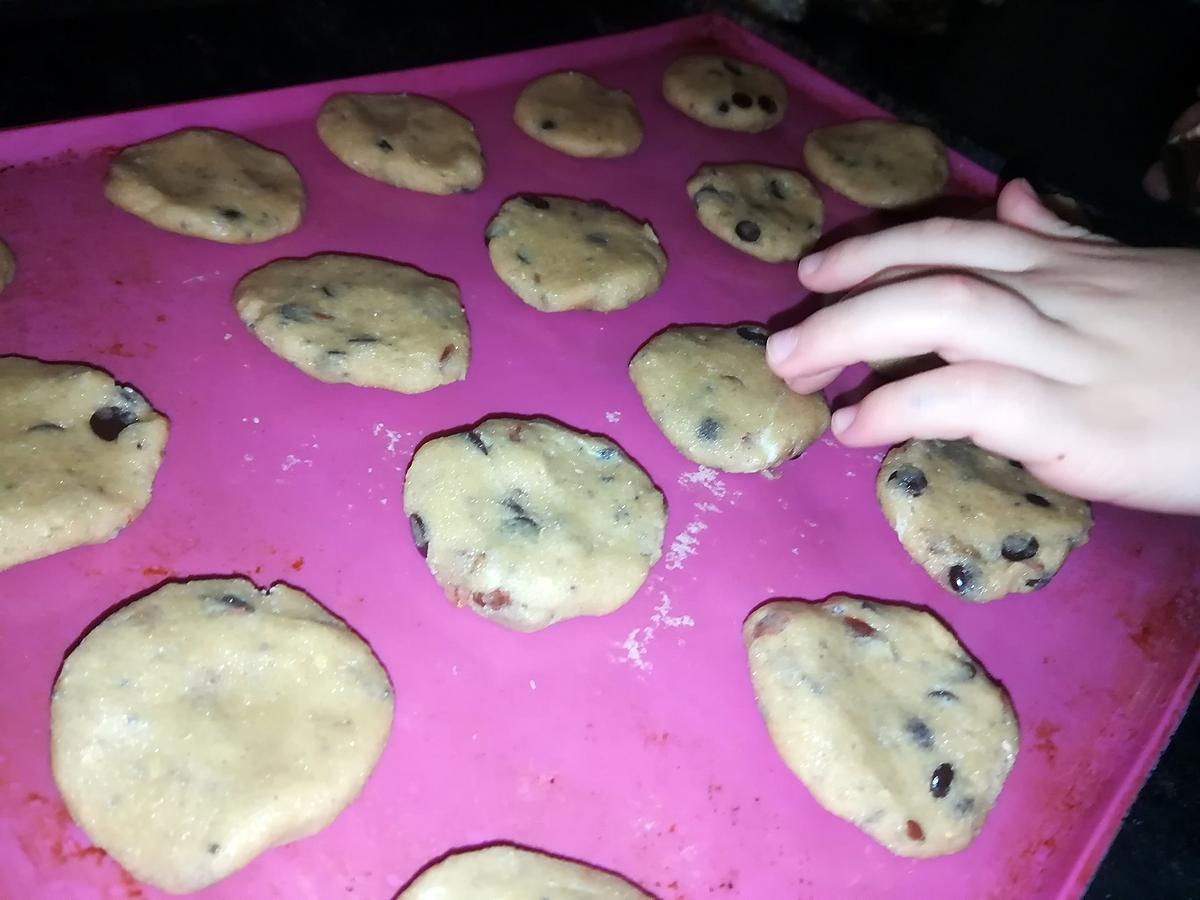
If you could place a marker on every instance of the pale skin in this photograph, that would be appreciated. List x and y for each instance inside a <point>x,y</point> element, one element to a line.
<point>1067,351</point>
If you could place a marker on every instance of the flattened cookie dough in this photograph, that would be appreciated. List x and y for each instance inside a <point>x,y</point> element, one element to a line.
<point>503,872</point>
<point>772,214</point>
<point>879,163</point>
<point>724,92</point>
<point>979,524</point>
<point>710,392</point>
<point>527,522</point>
<point>885,717</point>
<point>208,184</point>
<point>358,320</point>
<point>403,140</point>
<point>78,455</point>
<point>209,721</point>
<point>556,254</point>
<point>577,115</point>
<point>8,266</point>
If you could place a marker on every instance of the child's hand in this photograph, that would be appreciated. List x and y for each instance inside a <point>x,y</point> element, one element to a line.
<point>1075,355</point>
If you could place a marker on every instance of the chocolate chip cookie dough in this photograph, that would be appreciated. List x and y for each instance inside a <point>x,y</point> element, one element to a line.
<point>879,163</point>
<point>724,92</point>
<point>527,522</point>
<point>577,115</point>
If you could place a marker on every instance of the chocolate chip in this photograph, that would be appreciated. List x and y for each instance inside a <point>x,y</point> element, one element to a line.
<point>971,669</point>
<point>741,100</point>
<point>961,578</point>
<point>1038,500</point>
<point>1016,464</point>
<point>490,233</point>
<point>914,831</point>
<point>295,312</point>
<point>233,601</point>
<point>420,535</point>
<point>597,238</point>
<point>521,520</point>
<point>732,67</point>
<point>214,848</point>
<point>447,352</point>
<point>944,696</point>
<point>723,107</point>
<point>964,806</point>
<point>46,426</point>
<point>327,291</point>
<point>767,104</point>
<point>606,453</point>
<point>363,339</point>
<point>859,627</point>
<point>523,258</point>
<point>920,733</point>
<point>747,231</point>
<point>753,335</point>
<point>535,202</point>
<point>939,784</point>
<point>231,214</point>
<point>775,189</point>
<point>477,442</point>
<point>385,145</point>
<point>708,429</point>
<point>335,354</point>
<point>549,124</point>
<point>109,421</point>
<point>909,479</point>
<point>1036,584</point>
<point>1017,547</point>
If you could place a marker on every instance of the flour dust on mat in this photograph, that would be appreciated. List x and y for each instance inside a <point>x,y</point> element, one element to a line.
<point>504,872</point>
<point>879,163</point>
<point>556,254</point>
<point>403,140</point>
<point>358,320</point>
<point>78,456</point>
<point>527,522</point>
<point>577,115</point>
<point>209,721</point>
<point>979,524</point>
<point>724,92</point>
<point>208,184</point>
<point>885,717</point>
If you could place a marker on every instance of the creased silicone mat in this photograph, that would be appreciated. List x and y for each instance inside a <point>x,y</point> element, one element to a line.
<point>630,741</point>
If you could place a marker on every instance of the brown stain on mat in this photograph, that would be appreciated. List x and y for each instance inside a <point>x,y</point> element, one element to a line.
<point>155,571</point>
<point>298,563</point>
<point>1162,623</point>
<point>1044,732</point>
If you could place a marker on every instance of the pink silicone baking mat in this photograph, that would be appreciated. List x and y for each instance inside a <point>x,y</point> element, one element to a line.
<point>630,741</point>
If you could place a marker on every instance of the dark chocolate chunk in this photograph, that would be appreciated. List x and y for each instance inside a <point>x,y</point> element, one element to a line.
<point>939,784</point>
<point>944,696</point>
<point>520,519</point>
<point>1017,547</point>
<point>109,421</point>
<point>753,335</point>
<point>920,733</point>
<point>295,312</point>
<point>767,104</point>
<point>235,602</point>
<point>742,100</point>
<point>708,429</point>
<point>231,214</point>
<point>420,534</point>
<point>327,291</point>
<point>969,666</point>
<point>214,848</point>
<point>1036,584</point>
<point>477,442</point>
<point>385,145</point>
<point>1016,464</point>
<point>597,238</point>
<point>909,479</point>
<point>747,231</point>
<point>523,258</point>
<point>732,67</point>
<point>606,453</point>
<point>548,124</point>
<point>46,426</point>
<point>961,578</point>
<point>1038,500</point>
<point>723,107</point>
<point>535,202</point>
<point>363,339</point>
<point>335,354</point>
<point>775,189</point>
<point>914,831</point>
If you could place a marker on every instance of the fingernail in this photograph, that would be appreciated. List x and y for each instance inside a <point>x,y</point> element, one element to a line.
<point>780,344</point>
<point>843,419</point>
<point>811,263</point>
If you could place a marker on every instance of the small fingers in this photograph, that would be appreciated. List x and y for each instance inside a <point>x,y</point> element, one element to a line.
<point>1019,205</point>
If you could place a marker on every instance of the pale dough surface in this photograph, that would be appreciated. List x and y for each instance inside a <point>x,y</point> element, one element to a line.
<point>725,92</point>
<point>527,522</point>
<point>772,214</point>
<point>8,266</point>
<point>979,524</point>
<point>78,456</point>
<point>556,254</point>
<point>403,140</point>
<point>710,392</point>
<point>354,319</point>
<point>208,184</point>
<point>503,872</point>
<point>577,115</point>
<point>885,717</point>
<point>878,163</point>
<point>209,721</point>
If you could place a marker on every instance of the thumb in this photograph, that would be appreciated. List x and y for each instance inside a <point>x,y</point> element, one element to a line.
<point>1019,205</point>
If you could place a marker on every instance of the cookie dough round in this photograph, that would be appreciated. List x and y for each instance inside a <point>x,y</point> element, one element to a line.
<point>710,392</point>
<point>403,140</point>
<point>358,320</point>
<point>556,253</point>
<point>8,266</point>
<point>78,456</point>
<point>772,214</point>
<point>885,717</point>
<point>879,163</point>
<point>979,524</point>
<point>577,115</point>
<point>724,92</point>
<point>527,522</point>
<point>503,872</point>
<point>209,721</point>
<point>208,184</point>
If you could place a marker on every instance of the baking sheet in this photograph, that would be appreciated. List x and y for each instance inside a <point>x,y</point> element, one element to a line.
<point>630,741</point>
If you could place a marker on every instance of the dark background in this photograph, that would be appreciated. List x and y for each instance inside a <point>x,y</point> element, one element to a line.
<point>1076,95</point>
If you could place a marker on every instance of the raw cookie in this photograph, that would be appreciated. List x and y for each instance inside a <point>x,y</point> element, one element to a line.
<point>208,184</point>
<point>503,872</point>
<point>725,92</point>
<point>78,455</point>
<point>577,115</point>
<point>209,721</point>
<point>978,523</point>
<point>879,163</point>
<point>556,253</point>
<point>342,318</point>
<point>773,214</point>
<point>8,266</point>
<point>403,140</point>
<point>527,522</point>
<point>711,393</point>
<point>884,716</point>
